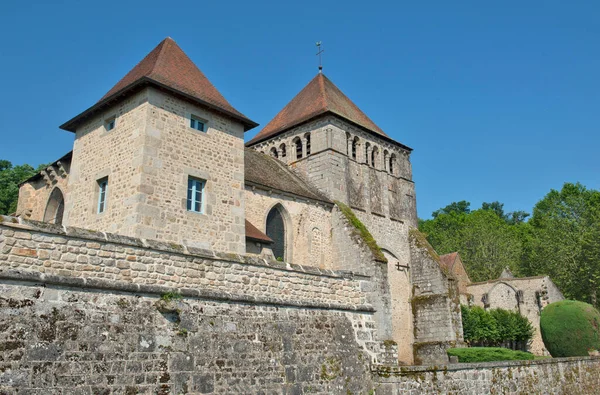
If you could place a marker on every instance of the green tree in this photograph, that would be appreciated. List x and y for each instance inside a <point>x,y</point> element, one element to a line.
<point>10,177</point>
<point>462,207</point>
<point>485,241</point>
<point>565,241</point>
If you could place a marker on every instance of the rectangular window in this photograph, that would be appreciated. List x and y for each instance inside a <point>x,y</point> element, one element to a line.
<point>197,123</point>
<point>194,195</point>
<point>110,123</point>
<point>102,191</point>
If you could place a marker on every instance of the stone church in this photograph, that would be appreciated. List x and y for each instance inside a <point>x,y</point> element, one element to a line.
<point>161,156</point>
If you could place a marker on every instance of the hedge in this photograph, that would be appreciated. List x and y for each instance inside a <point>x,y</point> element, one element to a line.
<point>495,328</point>
<point>570,328</point>
<point>487,354</point>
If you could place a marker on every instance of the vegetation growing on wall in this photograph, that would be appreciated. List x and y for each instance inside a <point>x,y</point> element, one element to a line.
<point>497,327</point>
<point>570,328</point>
<point>561,240</point>
<point>361,230</point>
<point>488,354</point>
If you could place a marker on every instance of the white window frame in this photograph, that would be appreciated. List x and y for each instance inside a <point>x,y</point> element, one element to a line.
<point>102,194</point>
<point>195,186</point>
<point>195,121</point>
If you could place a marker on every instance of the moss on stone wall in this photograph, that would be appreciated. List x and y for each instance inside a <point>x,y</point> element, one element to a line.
<point>361,230</point>
<point>421,242</point>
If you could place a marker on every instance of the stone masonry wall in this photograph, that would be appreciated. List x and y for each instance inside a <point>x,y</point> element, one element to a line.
<point>308,226</point>
<point>549,376</point>
<point>88,256</point>
<point>435,304</point>
<point>67,340</point>
<point>148,158</point>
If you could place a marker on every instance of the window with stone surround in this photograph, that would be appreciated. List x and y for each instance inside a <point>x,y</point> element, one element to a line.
<point>307,137</point>
<point>102,194</point>
<point>298,144</point>
<point>197,123</point>
<point>195,194</point>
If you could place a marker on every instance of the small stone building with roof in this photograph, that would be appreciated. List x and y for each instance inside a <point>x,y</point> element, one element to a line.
<point>161,156</point>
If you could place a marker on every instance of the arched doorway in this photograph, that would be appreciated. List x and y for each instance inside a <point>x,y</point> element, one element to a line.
<point>277,232</point>
<point>55,207</point>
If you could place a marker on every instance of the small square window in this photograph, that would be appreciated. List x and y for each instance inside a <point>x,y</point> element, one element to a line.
<point>102,194</point>
<point>195,194</point>
<point>110,123</point>
<point>197,123</point>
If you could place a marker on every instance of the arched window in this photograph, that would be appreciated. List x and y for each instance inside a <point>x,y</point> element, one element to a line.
<point>374,156</point>
<point>55,207</point>
<point>307,136</point>
<point>274,152</point>
<point>367,149</point>
<point>282,150</point>
<point>392,163</point>
<point>354,147</point>
<point>277,232</point>
<point>298,145</point>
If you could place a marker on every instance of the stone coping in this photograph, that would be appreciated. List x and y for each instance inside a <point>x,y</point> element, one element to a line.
<point>174,248</point>
<point>410,370</point>
<point>206,294</point>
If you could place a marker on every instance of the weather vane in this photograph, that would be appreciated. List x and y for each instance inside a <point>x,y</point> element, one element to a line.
<point>319,52</point>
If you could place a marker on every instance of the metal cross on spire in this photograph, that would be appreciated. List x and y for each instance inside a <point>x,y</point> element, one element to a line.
<point>319,52</point>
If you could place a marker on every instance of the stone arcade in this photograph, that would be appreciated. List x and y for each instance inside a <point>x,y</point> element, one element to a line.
<point>281,290</point>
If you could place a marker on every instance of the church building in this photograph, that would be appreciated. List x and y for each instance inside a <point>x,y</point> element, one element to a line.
<point>161,156</point>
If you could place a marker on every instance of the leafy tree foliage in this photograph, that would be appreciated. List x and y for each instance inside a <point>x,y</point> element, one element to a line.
<point>461,207</point>
<point>561,239</point>
<point>565,241</point>
<point>497,327</point>
<point>10,177</point>
<point>487,242</point>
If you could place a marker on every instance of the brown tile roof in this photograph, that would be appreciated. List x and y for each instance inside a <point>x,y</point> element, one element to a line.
<point>168,67</point>
<point>448,260</point>
<point>263,170</point>
<point>253,233</point>
<point>320,96</point>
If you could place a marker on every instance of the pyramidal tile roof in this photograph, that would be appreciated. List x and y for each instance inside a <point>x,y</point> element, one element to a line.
<point>448,260</point>
<point>168,67</point>
<point>320,96</point>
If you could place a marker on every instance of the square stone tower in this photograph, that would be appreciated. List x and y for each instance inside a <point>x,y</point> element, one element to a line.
<point>330,142</point>
<point>161,156</point>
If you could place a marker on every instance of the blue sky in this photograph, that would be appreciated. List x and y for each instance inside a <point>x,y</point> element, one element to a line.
<point>499,101</point>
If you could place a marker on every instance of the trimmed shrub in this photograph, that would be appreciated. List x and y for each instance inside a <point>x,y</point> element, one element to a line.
<point>495,328</point>
<point>488,354</point>
<point>570,328</point>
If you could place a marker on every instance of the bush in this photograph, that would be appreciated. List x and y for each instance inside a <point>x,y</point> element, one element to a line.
<point>487,354</point>
<point>570,328</point>
<point>496,327</point>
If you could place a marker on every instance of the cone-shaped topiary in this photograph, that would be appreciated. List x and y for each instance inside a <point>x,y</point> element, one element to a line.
<point>570,328</point>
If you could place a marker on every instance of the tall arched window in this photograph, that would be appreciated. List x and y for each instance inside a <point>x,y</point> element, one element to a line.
<point>55,207</point>
<point>374,156</point>
<point>392,163</point>
<point>276,231</point>
<point>274,152</point>
<point>354,147</point>
<point>282,150</point>
<point>298,145</point>
<point>307,136</point>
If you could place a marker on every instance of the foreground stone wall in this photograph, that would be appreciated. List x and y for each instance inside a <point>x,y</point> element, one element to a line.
<point>548,376</point>
<point>67,340</point>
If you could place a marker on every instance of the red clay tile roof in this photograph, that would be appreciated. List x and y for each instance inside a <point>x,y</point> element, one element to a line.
<point>448,260</point>
<point>267,172</point>
<point>318,97</point>
<point>253,233</point>
<point>170,68</point>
